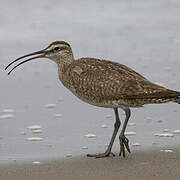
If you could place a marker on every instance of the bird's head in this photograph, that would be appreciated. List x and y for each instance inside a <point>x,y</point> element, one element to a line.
<point>56,51</point>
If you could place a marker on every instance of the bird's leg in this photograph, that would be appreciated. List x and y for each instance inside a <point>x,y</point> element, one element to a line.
<point>116,128</point>
<point>124,142</point>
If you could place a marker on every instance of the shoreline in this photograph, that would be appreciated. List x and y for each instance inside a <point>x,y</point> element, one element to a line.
<point>151,164</point>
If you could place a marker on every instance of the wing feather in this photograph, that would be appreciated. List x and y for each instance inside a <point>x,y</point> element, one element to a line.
<point>102,79</point>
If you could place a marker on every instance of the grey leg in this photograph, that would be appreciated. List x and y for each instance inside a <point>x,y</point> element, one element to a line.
<point>124,142</point>
<point>116,128</point>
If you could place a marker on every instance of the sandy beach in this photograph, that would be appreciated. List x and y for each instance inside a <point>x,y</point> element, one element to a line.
<point>138,165</point>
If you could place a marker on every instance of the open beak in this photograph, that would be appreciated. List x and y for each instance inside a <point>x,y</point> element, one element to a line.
<point>42,52</point>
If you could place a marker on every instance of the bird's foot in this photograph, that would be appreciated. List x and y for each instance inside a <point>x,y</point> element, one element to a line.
<point>124,143</point>
<point>106,154</point>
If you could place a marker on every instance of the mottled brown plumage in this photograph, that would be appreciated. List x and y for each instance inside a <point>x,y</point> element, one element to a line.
<point>104,83</point>
<point>109,84</point>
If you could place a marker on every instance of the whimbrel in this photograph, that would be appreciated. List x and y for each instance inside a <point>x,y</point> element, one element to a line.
<point>104,83</point>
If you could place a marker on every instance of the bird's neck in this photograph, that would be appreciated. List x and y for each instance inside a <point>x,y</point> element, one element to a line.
<point>64,63</point>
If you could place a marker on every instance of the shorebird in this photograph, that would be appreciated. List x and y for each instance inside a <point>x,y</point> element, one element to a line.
<point>103,83</point>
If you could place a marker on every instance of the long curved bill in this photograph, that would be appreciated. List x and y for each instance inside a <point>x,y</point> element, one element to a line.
<point>42,52</point>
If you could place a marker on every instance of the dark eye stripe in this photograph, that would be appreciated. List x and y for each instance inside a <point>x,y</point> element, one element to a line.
<point>63,47</point>
<point>60,48</point>
<point>56,48</point>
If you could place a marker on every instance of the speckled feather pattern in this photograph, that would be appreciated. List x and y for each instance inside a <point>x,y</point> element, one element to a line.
<point>110,84</point>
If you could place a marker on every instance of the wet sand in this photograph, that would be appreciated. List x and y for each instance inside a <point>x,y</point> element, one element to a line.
<point>138,165</point>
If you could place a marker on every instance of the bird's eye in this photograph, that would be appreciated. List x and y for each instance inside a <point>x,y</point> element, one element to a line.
<point>56,48</point>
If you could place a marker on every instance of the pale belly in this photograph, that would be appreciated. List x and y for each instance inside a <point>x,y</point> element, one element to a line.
<point>106,104</point>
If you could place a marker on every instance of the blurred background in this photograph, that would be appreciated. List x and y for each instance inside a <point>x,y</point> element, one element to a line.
<point>144,35</point>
